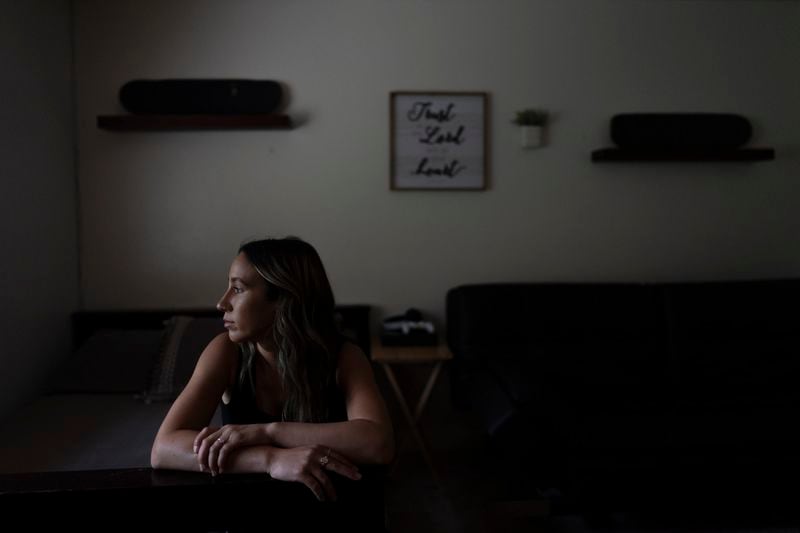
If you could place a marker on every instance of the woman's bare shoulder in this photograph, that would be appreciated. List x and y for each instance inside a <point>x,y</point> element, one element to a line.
<point>221,346</point>
<point>221,354</point>
<point>352,359</point>
<point>349,352</point>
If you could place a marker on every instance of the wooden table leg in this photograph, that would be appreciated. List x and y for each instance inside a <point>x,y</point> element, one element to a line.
<point>411,418</point>
<point>426,392</point>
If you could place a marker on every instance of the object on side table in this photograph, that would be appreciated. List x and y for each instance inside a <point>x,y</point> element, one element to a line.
<point>408,329</point>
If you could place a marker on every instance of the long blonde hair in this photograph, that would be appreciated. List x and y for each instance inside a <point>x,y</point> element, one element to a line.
<point>304,329</point>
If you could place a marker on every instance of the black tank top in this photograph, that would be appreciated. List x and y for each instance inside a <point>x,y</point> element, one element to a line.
<point>242,408</point>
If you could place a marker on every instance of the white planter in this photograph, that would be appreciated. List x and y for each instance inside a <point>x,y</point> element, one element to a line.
<point>531,136</point>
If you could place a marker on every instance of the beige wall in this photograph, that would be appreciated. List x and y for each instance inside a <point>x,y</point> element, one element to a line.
<point>38,233</point>
<point>162,213</point>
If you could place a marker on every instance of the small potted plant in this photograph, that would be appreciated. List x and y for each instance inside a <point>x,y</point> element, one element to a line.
<point>532,123</point>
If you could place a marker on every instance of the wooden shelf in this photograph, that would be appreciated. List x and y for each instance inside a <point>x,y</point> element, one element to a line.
<point>193,122</point>
<point>741,154</point>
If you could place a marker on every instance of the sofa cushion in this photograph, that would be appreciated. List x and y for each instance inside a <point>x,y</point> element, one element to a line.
<point>110,361</point>
<point>729,375</point>
<point>577,378</point>
<point>750,431</point>
<point>621,433</point>
<point>492,316</point>
<point>755,310</point>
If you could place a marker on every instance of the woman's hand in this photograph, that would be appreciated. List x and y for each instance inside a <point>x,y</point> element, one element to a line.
<point>308,465</point>
<point>214,446</point>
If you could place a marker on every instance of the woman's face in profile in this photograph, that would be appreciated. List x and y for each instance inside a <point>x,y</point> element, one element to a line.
<point>248,314</point>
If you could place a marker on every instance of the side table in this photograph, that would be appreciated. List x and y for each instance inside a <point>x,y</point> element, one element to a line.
<point>387,356</point>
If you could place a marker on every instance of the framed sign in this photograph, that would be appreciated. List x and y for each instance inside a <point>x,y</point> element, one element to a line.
<point>438,140</point>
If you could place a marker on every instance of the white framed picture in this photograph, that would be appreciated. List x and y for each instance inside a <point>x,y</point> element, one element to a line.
<point>438,140</point>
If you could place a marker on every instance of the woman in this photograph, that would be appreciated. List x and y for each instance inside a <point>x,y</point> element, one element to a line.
<point>298,401</point>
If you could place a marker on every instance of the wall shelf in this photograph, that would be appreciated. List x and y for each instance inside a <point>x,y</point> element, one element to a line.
<point>741,154</point>
<point>193,122</point>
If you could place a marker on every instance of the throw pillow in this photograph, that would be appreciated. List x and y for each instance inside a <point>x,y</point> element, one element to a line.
<point>184,339</point>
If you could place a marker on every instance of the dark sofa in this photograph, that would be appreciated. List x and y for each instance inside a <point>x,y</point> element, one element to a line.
<point>635,396</point>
